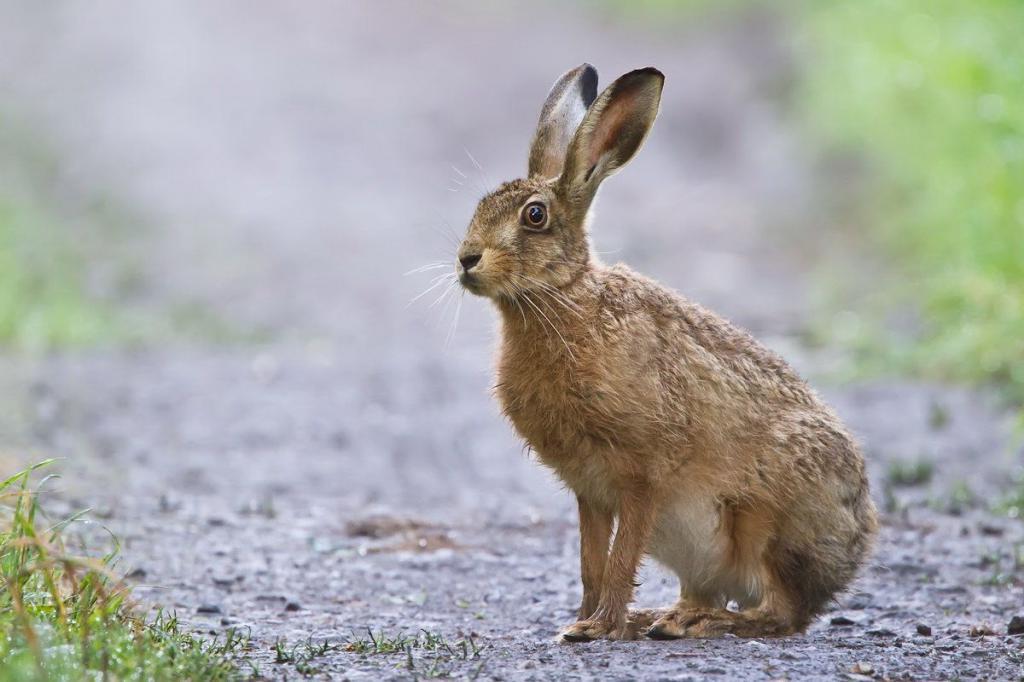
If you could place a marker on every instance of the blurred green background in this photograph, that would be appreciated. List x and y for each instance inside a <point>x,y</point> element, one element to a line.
<point>931,94</point>
<point>922,97</point>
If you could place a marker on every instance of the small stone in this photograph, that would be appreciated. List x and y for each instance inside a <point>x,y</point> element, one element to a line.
<point>1016,626</point>
<point>842,621</point>
<point>859,601</point>
<point>136,574</point>
<point>209,608</point>
<point>881,632</point>
<point>981,630</point>
<point>292,606</point>
<point>924,630</point>
<point>862,668</point>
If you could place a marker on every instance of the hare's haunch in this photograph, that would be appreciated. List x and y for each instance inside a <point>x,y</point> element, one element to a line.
<point>708,451</point>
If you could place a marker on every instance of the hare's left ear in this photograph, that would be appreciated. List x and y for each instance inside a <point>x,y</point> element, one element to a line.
<point>612,131</point>
<point>563,110</point>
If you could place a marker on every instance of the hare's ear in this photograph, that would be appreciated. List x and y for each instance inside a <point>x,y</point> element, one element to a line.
<point>563,110</point>
<point>612,131</point>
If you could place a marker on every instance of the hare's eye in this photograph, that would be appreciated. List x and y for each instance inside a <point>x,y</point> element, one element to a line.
<point>535,216</point>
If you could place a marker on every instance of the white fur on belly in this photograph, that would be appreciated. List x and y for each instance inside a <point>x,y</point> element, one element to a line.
<point>688,541</point>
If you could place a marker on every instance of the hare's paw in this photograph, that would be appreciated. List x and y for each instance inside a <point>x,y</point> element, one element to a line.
<point>690,622</point>
<point>642,619</point>
<point>595,628</point>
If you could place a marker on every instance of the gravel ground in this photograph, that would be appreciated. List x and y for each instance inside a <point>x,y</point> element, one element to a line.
<point>351,474</point>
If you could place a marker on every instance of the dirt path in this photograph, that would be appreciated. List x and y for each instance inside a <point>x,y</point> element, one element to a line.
<point>351,473</point>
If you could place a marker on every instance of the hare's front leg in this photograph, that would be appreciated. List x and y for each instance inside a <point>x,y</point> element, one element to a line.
<point>595,532</point>
<point>636,518</point>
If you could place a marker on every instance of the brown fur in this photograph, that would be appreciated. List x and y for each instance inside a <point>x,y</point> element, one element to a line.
<point>711,454</point>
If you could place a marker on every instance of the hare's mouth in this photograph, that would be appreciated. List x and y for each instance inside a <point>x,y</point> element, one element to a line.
<point>471,283</point>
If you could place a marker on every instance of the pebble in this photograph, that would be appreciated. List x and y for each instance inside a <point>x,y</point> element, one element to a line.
<point>924,630</point>
<point>209,608</point>
<point>859,601</point>
<point>292,606</point>
<point>981,630</point>
<point>1015,626</point>
<point>881,632</point>
<point>842,621</point>
<point>863,668</point>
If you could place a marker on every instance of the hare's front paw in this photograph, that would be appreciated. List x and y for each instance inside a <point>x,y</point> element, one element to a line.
<point>595,628</point>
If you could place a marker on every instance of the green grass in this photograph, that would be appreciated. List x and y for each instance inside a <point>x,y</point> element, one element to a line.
<point>48,234</point>
<point>928,97</point>
<point>910,473</point>
<point>931,94</point>
<point>43,303</point>
<point>65,616</point>
<point>71,273</point>
<point>424,654</point>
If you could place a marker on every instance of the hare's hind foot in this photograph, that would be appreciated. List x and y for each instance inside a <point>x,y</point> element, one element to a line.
<point>637,624</point>
<point>707,622</point>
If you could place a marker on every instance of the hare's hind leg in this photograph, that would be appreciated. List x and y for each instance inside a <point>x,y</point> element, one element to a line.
<point>670,624</point>
<point>773,611</point>
<point>746,575</point>
<point>774,617</point>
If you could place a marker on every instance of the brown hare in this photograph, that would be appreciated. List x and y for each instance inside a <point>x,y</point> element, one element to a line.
<point>699,446</point>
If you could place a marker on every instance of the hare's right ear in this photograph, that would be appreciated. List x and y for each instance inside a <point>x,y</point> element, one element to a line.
<point>564,109</point>
<point>612,131</point>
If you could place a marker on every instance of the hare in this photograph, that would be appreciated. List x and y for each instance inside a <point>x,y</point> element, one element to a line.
<point>699,446</point>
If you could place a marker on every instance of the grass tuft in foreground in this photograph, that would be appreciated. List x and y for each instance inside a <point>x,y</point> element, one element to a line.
<point>64,616</point>
<point>424,654</point>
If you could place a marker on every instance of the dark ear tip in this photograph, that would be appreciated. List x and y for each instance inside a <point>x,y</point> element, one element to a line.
<point>588,83</point>
<point>649,72</point>
<point>646,73</point>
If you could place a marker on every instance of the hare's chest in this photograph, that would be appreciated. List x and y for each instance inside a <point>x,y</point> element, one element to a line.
<point>568,422</point>
<point>549,410</point>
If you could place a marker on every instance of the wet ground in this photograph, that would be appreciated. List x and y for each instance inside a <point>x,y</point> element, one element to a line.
<point>351,473</point>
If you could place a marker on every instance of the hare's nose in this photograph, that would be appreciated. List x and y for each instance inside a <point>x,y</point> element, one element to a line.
<point>470,261</point>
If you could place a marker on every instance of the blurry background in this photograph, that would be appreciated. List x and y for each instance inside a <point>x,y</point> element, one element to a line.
<point>207,210</point>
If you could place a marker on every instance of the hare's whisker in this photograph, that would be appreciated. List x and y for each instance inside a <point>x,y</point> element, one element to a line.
<point>547,298</point>
<point>433,286</point>
<point>526,297</point>
<point>444,293</point>
<point>476,163</point>
<point>424,268</point>
<point>571,305</point>
<point>555,295</point>
<point>455,321</point>
<point>443,275</point>
<point>448,233</point>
